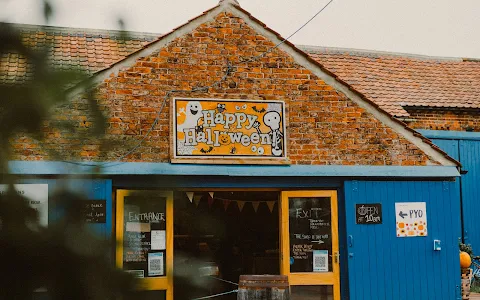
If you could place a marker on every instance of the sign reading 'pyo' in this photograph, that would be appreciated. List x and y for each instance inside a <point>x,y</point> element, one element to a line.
<point>411,219</point>
<point>219,128</point>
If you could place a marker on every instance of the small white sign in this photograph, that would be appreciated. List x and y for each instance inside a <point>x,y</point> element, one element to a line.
<point>37,196</point>
<point>320,260</point>
<point>158,240</point>
<point>155,264</point>
<point>411,219</point>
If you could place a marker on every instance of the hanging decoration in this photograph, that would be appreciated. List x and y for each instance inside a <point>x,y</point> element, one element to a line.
<point>197,201</point>
<point>240,205</point>
<point>225,204</point>
<point>196,198</point>
<point>270,205</point>
<point>255,205</point>
<point>210,202</point>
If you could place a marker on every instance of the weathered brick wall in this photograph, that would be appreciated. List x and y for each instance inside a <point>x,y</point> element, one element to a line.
<point>324,127</point>
<point>457,120</point>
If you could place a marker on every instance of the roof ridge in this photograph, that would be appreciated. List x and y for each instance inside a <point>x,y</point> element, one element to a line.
<point>93,31</point>
<point>365,52</point>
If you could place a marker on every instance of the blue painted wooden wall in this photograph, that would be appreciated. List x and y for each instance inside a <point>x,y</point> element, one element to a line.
<point>382,266</point>
<point>95,189</point>
<point>470,159</point>
<point>468,153</point>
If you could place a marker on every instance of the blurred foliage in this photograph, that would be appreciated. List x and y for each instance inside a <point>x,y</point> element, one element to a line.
<point>64,260</point>
<point>466,248</point>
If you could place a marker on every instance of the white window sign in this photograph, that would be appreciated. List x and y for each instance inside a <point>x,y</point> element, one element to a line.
<point>320,260</point>
<point>37,195</point>
<point>411,219</point>
<point>155,264</point>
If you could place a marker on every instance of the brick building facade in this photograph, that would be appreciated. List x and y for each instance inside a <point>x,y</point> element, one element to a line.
<point>349,136</point>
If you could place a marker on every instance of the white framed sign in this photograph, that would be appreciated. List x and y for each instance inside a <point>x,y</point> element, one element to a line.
<point>37,195</point>
<point>411,219</point>
<point>228,129</point>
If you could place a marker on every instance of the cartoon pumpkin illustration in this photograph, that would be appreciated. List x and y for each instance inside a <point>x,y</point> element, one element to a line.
<point>224,139</point>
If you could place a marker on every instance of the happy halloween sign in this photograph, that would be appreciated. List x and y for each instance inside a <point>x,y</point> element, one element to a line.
<point>217,128</point>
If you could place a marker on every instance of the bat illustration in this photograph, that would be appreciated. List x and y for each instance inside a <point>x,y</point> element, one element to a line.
<point>258,110</point>
<point>206,150</point>
<point>233,150</point>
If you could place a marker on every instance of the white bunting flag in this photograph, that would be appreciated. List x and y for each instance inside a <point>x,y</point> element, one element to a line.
<point>190,196</point>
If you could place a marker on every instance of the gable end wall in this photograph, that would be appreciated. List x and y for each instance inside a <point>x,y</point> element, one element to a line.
<point>324,126</point>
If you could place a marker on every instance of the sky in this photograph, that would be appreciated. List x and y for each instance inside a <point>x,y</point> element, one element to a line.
<point>429,27</point>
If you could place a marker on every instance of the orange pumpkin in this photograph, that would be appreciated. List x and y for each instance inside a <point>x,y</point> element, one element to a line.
<point>465,260</point>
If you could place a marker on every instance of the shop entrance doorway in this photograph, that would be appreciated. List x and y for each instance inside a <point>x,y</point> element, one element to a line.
<point>309,244</point>
<point>221,235</point>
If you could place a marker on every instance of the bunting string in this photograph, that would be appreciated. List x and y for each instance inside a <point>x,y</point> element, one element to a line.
<point>226,202</point>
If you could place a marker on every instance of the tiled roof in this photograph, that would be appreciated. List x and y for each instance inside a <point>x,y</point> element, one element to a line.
<point>89,49</point>
<point>396,81</point>
<point>392,81</point>
<point>97,50</point>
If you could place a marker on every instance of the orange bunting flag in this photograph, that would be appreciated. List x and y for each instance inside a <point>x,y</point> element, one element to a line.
<point>240,204</point>
<point>255,204</point>
<point>271,204</point>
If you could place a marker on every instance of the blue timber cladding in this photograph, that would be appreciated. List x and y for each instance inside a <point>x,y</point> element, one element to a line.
<point>96,189</point>
<point>465,147</point>
<point>384,266</point>
<point>470,159</point>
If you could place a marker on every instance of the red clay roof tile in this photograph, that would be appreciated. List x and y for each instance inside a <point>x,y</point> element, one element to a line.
<point>398,81</point>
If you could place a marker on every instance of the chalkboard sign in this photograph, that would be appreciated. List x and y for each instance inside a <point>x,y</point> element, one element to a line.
<point>370,213</point>
<point>144,236</point>
<point>310,224</point>
<point>95,211</point>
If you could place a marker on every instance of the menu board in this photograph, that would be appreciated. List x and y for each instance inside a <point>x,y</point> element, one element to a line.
<point>310,234</point>
<point>144,236</point>
<point>95,211</point>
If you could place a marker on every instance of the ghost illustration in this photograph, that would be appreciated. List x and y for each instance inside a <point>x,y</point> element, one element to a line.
<point>272,119</point>
<point>193,113</point>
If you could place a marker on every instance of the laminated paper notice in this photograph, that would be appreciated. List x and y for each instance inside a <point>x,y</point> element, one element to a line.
<point>138,227</point>
<point>155,264</point>
<point>158,240</point>
<point>136,273</point>
<point>320,260</point>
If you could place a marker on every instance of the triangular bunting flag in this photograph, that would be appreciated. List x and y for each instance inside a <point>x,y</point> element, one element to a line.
<point>211,194</point>
<point>240,204</point>
<point>270,205</point>
<point>210,202</point>
<point>197,201</point>
<point>255,204</point>
<point>225,204</point>
<point>189,195</point>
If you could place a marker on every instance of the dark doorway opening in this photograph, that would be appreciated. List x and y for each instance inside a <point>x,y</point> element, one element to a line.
<point>218,238</point>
